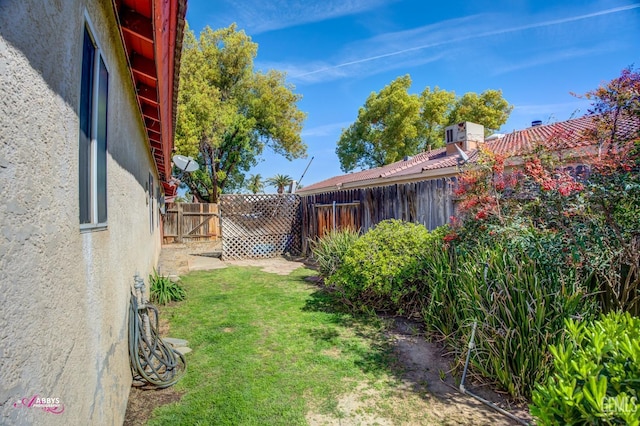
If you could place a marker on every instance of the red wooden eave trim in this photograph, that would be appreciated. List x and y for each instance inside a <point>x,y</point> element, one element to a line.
<point>136,25</point>
<point>148,94</point>
<point>152,46</point>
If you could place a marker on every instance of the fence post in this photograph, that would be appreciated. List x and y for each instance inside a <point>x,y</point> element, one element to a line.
<point>334,215</point>
<point>179,222</point>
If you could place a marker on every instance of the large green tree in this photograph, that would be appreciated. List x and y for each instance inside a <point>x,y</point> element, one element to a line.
<point>435,109</point>
<point>228,112</point>
<point>488,108</point>
<point>393,124</point>
<point>387,128</point>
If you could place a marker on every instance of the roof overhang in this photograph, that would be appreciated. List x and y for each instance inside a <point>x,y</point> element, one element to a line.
<point>151,32</point>
<point>384,181</point>
<point>578,154</point>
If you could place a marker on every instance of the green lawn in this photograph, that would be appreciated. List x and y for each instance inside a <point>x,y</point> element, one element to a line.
<point>268,349</point>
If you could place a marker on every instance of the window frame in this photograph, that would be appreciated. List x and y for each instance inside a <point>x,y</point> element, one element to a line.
<point>93,212</point>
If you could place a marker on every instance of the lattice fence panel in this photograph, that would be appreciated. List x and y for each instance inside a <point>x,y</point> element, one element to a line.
<point>260,225</point>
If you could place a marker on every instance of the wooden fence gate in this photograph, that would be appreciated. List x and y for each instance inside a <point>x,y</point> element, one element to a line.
<point>260,225</point>
<point>191,222</point>
<point>337,216</point>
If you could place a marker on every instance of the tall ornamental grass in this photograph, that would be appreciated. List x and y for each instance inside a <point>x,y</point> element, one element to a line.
<point>328,251</point>
<point>521,308</point>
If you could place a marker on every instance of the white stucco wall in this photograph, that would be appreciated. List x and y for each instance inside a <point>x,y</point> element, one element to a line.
<point>64,294</point>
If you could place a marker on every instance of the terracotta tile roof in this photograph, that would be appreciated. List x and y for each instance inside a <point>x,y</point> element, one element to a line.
<point>569,134</point>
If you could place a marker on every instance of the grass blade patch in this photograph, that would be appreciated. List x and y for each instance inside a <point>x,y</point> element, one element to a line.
<point>265,347</point>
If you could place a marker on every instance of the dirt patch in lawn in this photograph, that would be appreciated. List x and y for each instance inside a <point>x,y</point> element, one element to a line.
<point>142,402</point>
<point>276,265</point>
<point>426,393</point>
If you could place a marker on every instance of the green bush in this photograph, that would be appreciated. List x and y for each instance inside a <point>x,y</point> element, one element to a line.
<point>329,251</point>
<point>162,290</point>
<point>382,270</point>
<point>596,375</point>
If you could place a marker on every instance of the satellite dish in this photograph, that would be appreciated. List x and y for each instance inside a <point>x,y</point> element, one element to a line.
<point>184,163</point>
<point>463,156</point>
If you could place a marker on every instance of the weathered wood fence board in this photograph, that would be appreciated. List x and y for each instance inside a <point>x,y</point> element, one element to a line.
<point>191,222</point>
<point>260,225</point>
<point>428,202</point>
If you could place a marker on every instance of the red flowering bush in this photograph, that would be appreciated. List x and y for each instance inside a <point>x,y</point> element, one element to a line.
<point>594,217</point>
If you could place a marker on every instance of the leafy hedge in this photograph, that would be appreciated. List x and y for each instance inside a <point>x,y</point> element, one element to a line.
<point>596,375</point>
<point>383,269</point>
<point>512,286</point>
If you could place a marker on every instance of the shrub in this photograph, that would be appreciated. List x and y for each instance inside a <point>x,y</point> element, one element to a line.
<point>382,270</point>
<point>329,251</point>
<point>596,374</point>
<point>594,213</point>
<point>162,290</point>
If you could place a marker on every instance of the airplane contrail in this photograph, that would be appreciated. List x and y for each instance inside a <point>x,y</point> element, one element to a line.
<point>470,37</point>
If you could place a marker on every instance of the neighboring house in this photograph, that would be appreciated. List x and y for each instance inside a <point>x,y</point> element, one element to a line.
<point>418,188</point>
<point>87,105</point>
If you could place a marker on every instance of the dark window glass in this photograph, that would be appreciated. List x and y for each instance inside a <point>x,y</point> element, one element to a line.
<point>92,115</point>
<point>85,117</point>
<point>101,140</point>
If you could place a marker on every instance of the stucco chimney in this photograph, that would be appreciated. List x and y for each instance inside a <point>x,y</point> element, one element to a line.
<point>466,135</point>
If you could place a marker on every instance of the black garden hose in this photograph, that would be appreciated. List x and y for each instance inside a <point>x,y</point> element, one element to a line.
<point>153,362</point>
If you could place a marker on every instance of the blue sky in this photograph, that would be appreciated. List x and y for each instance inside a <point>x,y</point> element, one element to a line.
<point>336,52</point>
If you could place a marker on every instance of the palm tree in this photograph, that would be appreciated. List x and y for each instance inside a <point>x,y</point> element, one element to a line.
<point>280,181</point>
<point>255,184</point>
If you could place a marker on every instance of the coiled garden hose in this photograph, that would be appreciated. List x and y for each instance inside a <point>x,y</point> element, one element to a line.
<point>153,362</point>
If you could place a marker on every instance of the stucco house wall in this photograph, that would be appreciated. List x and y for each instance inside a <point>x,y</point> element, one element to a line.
<point>64,294</point>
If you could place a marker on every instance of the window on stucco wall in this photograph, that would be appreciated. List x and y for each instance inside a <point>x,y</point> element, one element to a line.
<point>151,202</point>
<point>93,136</point>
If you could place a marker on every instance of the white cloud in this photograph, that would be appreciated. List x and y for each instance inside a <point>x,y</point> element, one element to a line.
<point>258,16</point>
<point>398,49</point>
<point>331,129</point>
<point>553,57</point>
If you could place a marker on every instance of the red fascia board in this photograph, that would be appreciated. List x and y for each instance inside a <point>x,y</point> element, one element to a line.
<point>148,29</point>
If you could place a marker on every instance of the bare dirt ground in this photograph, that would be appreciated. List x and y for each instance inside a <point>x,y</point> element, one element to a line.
<point>426,393</point>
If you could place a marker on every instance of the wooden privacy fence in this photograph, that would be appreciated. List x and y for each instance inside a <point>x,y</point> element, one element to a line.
<point>191,222</point>
<point>429,202</point>
<point>260,225</point>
